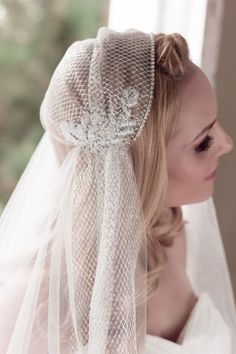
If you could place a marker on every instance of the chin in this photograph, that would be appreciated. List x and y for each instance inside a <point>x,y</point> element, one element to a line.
<point>200,199</point>
<point>190,198</point>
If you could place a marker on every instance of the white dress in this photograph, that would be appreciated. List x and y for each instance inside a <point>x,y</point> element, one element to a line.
<point>205,332</point>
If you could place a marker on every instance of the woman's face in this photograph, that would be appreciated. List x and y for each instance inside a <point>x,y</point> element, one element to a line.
<point>194,150</point>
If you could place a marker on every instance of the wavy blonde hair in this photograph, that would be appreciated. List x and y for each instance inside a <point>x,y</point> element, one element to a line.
<point>148,152</point>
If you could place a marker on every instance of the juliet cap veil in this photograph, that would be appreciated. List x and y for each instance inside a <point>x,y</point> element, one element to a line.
<point>86,252</point>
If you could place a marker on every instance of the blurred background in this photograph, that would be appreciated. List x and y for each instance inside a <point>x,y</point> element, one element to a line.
<point>35,34</point>
<point>33,38</point>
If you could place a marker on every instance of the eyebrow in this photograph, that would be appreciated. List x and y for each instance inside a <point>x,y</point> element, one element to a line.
<point>204,130</point>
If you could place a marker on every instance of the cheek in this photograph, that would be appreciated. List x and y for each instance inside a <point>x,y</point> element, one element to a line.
<point>185,170</point>
<point>186,182</point>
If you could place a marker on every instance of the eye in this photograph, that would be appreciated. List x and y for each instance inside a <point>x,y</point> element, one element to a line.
<point>205,144</point>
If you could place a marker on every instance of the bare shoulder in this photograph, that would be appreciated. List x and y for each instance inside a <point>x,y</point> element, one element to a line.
<point>171,304</point>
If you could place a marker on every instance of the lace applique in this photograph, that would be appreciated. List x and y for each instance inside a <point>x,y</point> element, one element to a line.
<point>97,131</point>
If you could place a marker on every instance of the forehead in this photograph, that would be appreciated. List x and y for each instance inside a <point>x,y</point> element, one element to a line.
<point>198,104</point>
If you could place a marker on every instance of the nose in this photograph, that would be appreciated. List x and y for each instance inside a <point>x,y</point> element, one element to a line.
<point>226,144</point>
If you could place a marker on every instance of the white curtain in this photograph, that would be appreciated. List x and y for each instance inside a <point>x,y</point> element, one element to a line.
<point>184,16</point>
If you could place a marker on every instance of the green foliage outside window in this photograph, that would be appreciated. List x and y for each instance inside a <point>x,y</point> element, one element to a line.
<point>33,37</point>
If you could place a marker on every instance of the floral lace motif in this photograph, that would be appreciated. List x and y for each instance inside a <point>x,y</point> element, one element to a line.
<point>97,131</point>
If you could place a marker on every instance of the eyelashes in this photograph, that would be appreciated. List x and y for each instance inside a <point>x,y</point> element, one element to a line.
<point>205,144</point>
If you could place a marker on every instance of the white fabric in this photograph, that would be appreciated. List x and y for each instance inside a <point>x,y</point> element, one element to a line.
<point>204,332</point>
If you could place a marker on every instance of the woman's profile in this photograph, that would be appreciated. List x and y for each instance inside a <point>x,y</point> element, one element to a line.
<point>107,242</point>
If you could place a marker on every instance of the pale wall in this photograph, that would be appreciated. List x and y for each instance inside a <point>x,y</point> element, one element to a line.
<point>225,86</point>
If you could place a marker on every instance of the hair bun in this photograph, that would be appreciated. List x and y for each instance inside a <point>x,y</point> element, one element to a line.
<point>172,54</point>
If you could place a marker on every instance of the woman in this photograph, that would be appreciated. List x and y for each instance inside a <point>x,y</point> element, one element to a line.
<point>95,249</point>
<point>193,153</point>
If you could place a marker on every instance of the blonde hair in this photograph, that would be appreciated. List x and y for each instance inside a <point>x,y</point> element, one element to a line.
<point>148,153</point>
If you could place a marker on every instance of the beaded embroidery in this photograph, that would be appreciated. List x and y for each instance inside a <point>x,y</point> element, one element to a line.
<point>97,131</point>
